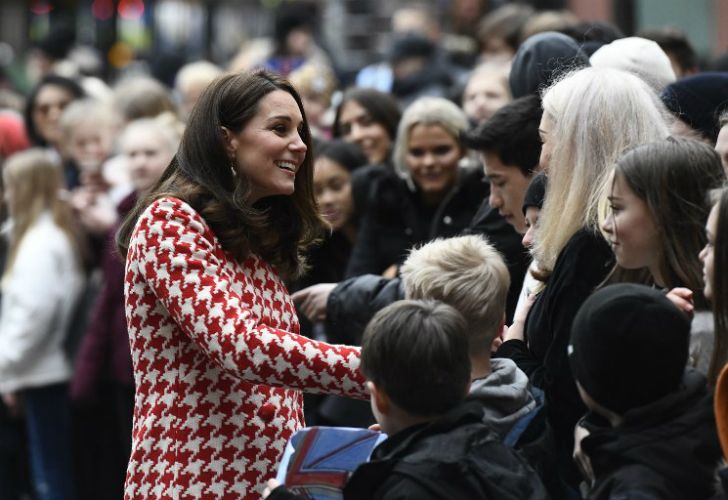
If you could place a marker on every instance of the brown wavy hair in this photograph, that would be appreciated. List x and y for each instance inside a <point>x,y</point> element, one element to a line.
<point>277,228</point>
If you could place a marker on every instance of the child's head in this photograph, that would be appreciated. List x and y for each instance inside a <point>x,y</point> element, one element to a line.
<point>532,204</point>
<point>32,182</point>
<point>87,128</point>
<point>149,144</point>
<point>142,97</point>
<point>415,359</point>
<point>190,81</point>
<point>44,106</point>
<point>584,132</point>
<point>32,185</point>
<point>335,162</point>
<point>316,83</point>
<point>427,151</point>
<point>509,145</point>
<point>629,348</point>
<point>659,209</point>
<point>467,273</point>
<point>486,91</point>
<point>368,118</point>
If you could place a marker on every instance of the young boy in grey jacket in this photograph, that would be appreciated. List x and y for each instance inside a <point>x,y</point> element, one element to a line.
<point>467,273</point>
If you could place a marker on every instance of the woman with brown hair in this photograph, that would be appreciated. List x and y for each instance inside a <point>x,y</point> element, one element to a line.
<point>218,362</point>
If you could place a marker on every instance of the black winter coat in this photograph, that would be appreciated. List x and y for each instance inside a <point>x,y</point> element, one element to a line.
<point>396,219</point>
<point>456,457</point>
<point>667,450</point>
<point>582,265</point>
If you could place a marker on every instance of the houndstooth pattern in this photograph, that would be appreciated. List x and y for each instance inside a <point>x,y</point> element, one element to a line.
<point>218,375</point>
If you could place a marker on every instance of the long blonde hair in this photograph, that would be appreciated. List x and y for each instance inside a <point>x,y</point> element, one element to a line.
<point>37,183</point>
<point>596,113</point>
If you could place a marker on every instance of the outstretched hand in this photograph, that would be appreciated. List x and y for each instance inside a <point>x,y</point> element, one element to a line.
<point>311,301</point>
<point>272,484</point>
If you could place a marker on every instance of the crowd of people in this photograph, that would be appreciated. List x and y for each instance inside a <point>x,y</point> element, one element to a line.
<point>507,255</point>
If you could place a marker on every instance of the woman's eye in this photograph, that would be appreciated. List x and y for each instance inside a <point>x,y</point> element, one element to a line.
<point>442,150</point>
<point>416,152</point>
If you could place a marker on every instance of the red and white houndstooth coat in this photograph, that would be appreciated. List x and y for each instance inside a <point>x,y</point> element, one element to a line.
<point>218,372</point>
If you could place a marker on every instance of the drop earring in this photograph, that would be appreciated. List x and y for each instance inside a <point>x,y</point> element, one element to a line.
<point>233,167</point>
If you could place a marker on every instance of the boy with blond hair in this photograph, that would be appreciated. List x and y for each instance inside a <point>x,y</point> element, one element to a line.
<point>467,273</point>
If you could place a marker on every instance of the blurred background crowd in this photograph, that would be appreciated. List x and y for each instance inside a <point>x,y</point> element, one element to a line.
<point>94,95</point>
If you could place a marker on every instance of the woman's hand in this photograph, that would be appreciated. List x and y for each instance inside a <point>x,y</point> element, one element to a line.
<point>682,298</point>
<point>272,484</point>
<point>312,300</point>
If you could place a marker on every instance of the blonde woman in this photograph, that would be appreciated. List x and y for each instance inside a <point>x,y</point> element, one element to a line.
<point>432,195</point>
<point>40,286</point>
<point>590,117</point>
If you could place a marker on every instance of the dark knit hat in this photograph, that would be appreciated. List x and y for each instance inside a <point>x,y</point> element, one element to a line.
<point>541,59</point>
<point>629,346</point>
<point>408,45</point>
<point>698,100</point>
<point>536,192</point>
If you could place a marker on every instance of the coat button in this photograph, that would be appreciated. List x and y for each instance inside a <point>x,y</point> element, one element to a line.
<point>266,412</point>
<point>447,220</point>
<point>408,231</point>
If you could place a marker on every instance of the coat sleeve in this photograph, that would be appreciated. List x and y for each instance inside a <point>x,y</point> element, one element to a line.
<point>173,253</point>
<point>32,302</point>
<point>353,303</point>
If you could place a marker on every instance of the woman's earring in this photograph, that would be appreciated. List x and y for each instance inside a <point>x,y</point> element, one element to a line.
<point>233,167</point>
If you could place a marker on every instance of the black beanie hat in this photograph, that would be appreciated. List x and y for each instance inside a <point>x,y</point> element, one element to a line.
<point>407,45</point>
<point>629,346</point>
<point>536,192</point>
<point>698,100</point>
<point>541,59</point>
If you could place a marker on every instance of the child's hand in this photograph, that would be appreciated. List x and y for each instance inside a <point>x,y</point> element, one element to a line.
<point>272,484</point>
<point>682,298</point>
<point>375,428</point>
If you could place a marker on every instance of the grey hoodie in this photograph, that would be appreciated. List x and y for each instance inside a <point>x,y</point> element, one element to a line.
<point>504,394</point>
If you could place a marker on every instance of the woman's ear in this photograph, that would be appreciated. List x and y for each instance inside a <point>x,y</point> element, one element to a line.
<point>231,142</point>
